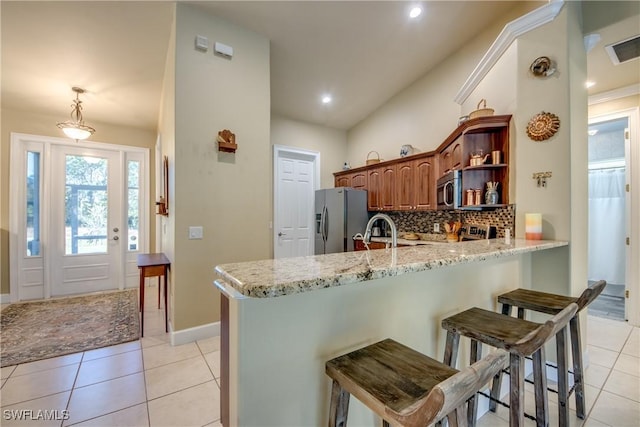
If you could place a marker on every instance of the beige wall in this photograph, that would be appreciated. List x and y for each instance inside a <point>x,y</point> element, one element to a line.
<point>166,134</point>
<point>228,194</point>
<point>613,106</point>
<point>425,113</point>
<point>330,143</point>
<point>45,125</point>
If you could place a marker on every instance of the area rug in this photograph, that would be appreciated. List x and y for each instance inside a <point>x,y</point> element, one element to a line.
<point>33,331</point>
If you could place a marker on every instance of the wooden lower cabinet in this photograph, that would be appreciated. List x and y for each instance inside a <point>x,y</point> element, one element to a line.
<point>358,245</point>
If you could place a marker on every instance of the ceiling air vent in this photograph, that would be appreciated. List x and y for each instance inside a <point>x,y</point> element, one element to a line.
<point>624,50</point>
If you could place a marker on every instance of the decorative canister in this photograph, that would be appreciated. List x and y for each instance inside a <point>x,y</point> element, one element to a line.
<point>491,196</point>
<point>478,194</point>
<point>470,199</point>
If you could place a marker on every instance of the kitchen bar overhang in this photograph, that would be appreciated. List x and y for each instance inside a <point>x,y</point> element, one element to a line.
<point>284,318</point>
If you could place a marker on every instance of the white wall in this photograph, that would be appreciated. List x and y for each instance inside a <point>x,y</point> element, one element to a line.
<point>330,143</point>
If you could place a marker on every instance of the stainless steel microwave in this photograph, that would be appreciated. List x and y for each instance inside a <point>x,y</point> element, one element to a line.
<point>449,191</point>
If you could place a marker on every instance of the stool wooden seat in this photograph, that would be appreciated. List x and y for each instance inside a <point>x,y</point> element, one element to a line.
<point>405,387</point>
<point>527,299</point>
<point>520,338</point>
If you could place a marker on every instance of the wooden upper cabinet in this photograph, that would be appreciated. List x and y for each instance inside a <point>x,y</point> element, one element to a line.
<point>359,180</point>
<point>405,196</point>
<point>342,181</point>
<point>424,183</point>
<point>374,186</point>
<point>388,190</point>
<point>415,184</point>
<point>456,154</point>
<point>451,157</point>
<point>355,180</point>
<point>410,183</point>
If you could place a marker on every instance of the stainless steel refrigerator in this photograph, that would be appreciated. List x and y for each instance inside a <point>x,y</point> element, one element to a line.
<point>340,214</point>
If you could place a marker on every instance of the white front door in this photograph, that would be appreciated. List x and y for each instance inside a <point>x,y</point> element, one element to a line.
<point>295,183</point>
<point>79,216</point>
<point>87,220</point>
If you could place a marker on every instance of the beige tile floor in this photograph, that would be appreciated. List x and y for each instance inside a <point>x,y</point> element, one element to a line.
<point>151,383</point>
<point>142,383</point>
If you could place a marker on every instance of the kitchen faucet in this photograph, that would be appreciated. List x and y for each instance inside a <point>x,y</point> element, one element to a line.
<point>387,218</point>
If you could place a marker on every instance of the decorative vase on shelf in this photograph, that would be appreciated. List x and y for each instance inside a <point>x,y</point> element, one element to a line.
<point>491,196</point>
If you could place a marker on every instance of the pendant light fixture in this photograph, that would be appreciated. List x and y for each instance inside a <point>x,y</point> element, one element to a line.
<point>75,128</point>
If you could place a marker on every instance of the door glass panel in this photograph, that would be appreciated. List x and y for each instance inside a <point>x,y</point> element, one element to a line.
<point>33,204</point>
<point>86,205</point>
<point>133,204</point>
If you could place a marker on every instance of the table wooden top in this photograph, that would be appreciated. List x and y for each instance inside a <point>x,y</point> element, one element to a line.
<point>150,260</point>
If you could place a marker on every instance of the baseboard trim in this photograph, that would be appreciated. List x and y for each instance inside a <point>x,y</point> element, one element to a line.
<point>5,298</point>
<point>196,333</point>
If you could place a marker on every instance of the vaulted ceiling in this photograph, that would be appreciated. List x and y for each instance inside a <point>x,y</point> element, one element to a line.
<point>361,52</point>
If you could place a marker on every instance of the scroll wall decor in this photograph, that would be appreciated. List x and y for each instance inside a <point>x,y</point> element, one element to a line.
<point>543,126</point>
<point>227,141</point>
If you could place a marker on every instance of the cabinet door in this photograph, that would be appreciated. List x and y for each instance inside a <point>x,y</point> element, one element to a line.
<point>374,187</point>
<point>359,180</point>
<point>424,183</point>
<point>405,185</point>
<point>445,161</point>
<point>343,181</point>
<point>456,155</point>
<point>388,188</point>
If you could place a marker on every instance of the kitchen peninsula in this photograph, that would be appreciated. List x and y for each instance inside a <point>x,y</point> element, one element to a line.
<point>283,319</point>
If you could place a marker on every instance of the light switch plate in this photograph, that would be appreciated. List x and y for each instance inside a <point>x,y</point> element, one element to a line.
<point>195,233</point>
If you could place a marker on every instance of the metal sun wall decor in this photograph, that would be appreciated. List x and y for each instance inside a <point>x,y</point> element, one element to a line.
<point>543,126</point>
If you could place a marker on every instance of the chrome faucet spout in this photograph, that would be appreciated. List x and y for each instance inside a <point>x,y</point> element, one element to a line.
<point>387,218</point>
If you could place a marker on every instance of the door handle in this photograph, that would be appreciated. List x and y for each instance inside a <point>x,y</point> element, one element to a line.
<point>116,229</point>
<point>326,225</point>
<point>280,234</point>
<point>116,238</point>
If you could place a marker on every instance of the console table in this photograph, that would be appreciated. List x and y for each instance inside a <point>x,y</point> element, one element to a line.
<point>153,265</point>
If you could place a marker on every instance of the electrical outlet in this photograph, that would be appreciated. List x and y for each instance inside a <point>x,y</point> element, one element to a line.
<point>436,227</point>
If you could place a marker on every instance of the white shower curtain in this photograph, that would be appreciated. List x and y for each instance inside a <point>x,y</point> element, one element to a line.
<point>607,225</point>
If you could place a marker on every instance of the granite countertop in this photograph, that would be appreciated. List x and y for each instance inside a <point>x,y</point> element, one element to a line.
<point>286,276</point>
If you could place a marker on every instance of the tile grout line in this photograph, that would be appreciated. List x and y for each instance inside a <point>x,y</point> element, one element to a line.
<point>601,389</point>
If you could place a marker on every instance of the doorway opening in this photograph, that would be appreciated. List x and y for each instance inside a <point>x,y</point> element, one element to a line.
<point>609,207</point>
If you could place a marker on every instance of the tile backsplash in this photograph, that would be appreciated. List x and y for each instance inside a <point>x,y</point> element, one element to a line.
<point>422,222</point>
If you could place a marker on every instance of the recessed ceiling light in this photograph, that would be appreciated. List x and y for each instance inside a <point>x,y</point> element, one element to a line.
<point>589,84</point>
<point>326,99</point>
<point>415,12</point>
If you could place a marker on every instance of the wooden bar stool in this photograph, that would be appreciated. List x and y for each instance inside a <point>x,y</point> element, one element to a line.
<point>520,338</point>
<point>527,299</point>
<point>405,387</point>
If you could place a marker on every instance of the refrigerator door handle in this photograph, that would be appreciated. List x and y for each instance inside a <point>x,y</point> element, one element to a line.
<point>325,228</point>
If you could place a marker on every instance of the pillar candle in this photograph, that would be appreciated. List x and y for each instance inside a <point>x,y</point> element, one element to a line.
<point>533,226</point>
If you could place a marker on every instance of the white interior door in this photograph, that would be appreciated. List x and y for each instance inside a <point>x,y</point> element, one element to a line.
<point>86,220</point>
<point>296,180</point>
